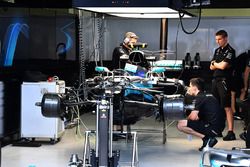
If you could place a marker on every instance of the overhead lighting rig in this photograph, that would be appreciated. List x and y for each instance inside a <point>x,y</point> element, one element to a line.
<point>133,8</point>
<point>137,12</point>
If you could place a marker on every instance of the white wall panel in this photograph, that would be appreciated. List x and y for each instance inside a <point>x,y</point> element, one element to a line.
<point>202,41</point>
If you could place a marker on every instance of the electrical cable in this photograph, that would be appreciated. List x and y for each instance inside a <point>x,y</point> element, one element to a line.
<point>82,75</point>
<point>75,111</point>
<point>199,19</point>
<point>100,32</point>
<point>176,48</point>
<point>96,36</point>
<point>97,26</point>
<point>82,55</point>
<point>78,128</point>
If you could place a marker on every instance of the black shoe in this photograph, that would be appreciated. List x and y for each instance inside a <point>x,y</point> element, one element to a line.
<point>211,142</point>
<point>230,136</point>
<point>219,135</point>
<point>237,117</point>
<point>205,141</point>
<point>243,136</point>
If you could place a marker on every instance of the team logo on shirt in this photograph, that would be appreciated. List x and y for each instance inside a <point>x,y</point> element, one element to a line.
<point>229,56</point>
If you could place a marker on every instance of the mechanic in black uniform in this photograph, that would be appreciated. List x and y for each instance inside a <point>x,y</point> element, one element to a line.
<point>244,110</point>
<point>207,120</point>
<point>130,38</point>
<point>222,65</point>
<point>240,81</point>
<point>244,91</point>
<point>123,50</point>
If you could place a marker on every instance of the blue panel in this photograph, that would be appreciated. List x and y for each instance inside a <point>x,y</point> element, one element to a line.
<point>69,41</point>
<point>10,41</point>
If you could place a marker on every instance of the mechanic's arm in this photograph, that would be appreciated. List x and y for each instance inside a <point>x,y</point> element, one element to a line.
<point>193,115</point>
<point>221,65</point>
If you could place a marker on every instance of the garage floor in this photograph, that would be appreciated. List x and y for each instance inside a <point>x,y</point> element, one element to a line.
<point>179,150</point>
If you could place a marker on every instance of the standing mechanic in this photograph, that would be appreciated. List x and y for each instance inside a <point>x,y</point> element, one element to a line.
<point>123,51</point>
<point>244,99</point>
<point>222,65</point>
<point>207,120</point>
<point>244,91</point>
<point>240,81</point>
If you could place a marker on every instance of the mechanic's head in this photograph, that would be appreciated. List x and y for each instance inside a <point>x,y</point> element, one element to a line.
<point>196,85</point>
<point>221,38</point>
<point>130,38</point>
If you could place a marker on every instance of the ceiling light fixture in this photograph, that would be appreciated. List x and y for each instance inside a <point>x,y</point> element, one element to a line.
<point>137,12</point>
<point>150,15</point>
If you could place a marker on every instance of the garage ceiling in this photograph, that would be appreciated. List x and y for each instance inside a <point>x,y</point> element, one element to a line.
<point>215,8</point>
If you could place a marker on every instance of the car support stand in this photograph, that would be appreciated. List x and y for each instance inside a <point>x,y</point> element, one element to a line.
<point>103,156</point>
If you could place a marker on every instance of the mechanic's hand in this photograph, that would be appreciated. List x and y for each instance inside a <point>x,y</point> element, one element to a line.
<point>193,115</point>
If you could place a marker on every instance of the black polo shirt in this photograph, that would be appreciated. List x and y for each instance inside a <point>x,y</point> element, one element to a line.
<point>226,54</point>
<point>210,110</point>
<point>117,53</point>
<point>241,62</point>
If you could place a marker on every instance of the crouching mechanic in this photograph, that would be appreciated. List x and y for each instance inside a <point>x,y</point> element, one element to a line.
<point>207,120</point>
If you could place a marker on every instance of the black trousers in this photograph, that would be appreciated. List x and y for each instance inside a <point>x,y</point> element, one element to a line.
<point>221,91</point>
